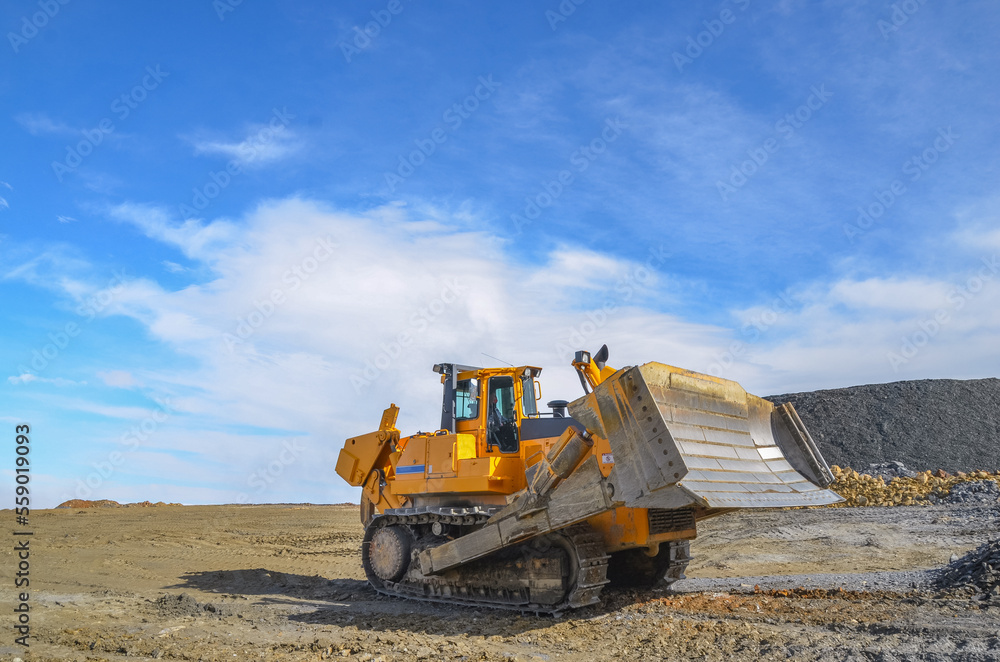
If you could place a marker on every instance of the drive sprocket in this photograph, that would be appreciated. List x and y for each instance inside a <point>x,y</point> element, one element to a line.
<point>636,569</point>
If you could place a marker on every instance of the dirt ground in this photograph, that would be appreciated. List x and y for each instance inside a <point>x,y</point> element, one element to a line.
<point>285,583</point>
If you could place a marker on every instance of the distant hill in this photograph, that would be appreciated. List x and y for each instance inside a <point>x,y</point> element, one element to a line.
<point>107,503</point>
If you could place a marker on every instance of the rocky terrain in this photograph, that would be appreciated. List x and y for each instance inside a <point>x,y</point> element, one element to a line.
<point>285,583</point>
<point>892,484</point>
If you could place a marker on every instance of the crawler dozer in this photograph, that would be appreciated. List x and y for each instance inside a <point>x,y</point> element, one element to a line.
<point>506,506</point>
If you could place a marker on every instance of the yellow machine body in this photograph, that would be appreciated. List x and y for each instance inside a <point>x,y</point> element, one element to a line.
<point>461,467</point>
<point>612,493</point>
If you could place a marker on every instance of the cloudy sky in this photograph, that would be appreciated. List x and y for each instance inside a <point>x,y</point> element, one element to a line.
<point>231,233</point>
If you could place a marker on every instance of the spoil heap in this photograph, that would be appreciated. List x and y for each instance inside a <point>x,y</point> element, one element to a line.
<point>976,574</point>
<point>927,424</point>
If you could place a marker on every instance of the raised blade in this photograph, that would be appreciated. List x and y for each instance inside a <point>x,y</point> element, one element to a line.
<point>682,438</point>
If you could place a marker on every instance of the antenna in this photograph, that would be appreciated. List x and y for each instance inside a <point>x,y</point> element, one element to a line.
<point>496,359</point>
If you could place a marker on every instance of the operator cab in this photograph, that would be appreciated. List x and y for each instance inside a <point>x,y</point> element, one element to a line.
<point>501,419</point>
<point>498,405</point>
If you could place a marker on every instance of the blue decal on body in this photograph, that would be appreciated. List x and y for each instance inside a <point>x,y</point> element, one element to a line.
<point>412,469</point>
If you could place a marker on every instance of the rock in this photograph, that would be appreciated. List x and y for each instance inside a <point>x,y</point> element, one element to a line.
<point>889,470</point>
<point>908,488</point>
<point>985,492</point>
<point>978,571</point>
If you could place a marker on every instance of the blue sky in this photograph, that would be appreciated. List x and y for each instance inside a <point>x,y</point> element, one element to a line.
<point>232,233</point>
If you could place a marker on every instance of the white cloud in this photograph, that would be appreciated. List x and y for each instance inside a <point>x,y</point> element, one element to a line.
<point>195,239</point>
<point>991,239</point>
<point>3,203</point>
<point>571,267</point>
<point>889,294</point>
<point>261,145</point>
<point>65,219</point>
<point>878,330</point>
<point>301,300</point>
<point>57,267</point>
<point>29,378</point>
<point>127,413</point>
<point>117,378</point>
<point>173,267</point>
<point>7,186</point>
<point>981,239</point>
<point>978,223</point>
<point>351,311</point>
<point>289,364</point>
<point>38,124</point>
<point>101,182</point>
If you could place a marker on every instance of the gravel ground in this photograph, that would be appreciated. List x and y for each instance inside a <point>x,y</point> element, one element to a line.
<point>900,581</point>
<point>867,531</point>
<point>285,583</point>
<point>926,424</point>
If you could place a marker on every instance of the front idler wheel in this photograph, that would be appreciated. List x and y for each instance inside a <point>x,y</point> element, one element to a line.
<point>388,553</point>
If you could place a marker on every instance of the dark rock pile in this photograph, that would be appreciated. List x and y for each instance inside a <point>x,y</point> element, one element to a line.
<point>178,605</point>
<point>975,493</point>
<point>926,424</point>
<point>889,470</point>
<point>977,573</point>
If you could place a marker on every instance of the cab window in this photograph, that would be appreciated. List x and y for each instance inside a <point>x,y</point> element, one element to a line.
<point>528,404</point>
<point>467,400</point>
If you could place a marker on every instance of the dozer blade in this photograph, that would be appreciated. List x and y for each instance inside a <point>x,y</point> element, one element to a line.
<point>682,438</point>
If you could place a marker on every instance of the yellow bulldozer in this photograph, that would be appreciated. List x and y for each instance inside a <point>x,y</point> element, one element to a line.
<point>507,506</point>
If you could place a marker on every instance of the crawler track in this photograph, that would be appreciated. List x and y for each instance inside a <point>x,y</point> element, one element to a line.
<point>559,571</point>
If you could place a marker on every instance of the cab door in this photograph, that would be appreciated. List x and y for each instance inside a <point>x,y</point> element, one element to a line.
<point>501,415</point>
<point>488,408</point>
